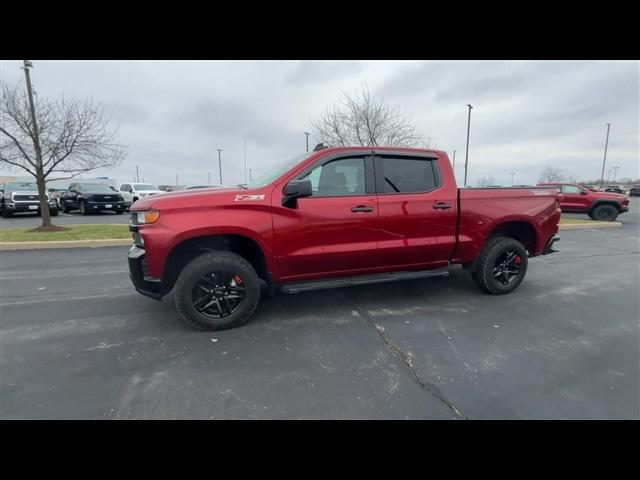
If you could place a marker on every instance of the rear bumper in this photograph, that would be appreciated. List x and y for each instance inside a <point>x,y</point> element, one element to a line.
<point>548,248</point>
<point>144,284</point>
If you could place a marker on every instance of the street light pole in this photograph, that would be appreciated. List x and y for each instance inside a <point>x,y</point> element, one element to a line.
<point>466,161</point>
<point>307,138</point>
<point>615,171</point>
<point>209,176</point>
<point>454,160</point>
<point>604,160</point>
<point>137,175</point>
<point>245,159</point>
<point>220,163</point>
<point>40,179</point>
<point>512,175</point>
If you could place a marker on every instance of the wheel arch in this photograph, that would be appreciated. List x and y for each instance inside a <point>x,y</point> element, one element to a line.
<point>188,249</point>
<point>597,203</point>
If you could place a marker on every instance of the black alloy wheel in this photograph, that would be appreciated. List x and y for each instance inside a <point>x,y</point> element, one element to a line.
<point>218,294</point>
<point>507,267</point>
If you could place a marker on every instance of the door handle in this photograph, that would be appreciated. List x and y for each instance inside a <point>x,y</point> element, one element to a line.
<point>441,206</point>
<point>362,208</point>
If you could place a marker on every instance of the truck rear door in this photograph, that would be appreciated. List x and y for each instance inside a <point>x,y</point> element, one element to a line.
<point>417,209</point>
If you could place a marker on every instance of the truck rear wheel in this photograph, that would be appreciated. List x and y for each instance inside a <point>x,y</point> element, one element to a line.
<point>216,291</point>
<point>605,213</point>
<point>501,266</point>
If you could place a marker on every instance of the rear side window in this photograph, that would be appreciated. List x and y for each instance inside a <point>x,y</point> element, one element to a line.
<point>405,175</point>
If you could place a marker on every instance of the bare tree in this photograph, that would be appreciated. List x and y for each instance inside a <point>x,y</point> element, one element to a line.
<point>550,175</point>
<point>486,181</point>
<point>360,119</point>
<point>69,137</point>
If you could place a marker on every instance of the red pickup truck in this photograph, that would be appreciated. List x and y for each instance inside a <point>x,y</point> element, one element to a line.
<point>603,206</point>
<point>330,218</point>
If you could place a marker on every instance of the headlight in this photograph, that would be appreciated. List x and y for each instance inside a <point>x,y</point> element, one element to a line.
<point>143,218</point>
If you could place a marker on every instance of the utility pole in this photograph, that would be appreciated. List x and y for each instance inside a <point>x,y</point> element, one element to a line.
<point>245,159</point>
<point>137,175</point>
<point>454,160</point>
<point>615,171</point>
<point>220,164</point>
<point>466,161</point>
<point>176,179</point>
<point>604,160</point>
<point>44,207</point>
<point>250,176</point>
<point>307,138</point>
<point>512,175</point>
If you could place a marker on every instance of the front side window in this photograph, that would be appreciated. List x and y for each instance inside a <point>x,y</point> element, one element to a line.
<point>570,189</point>
<point>405,175</point>
<point>338,178</point>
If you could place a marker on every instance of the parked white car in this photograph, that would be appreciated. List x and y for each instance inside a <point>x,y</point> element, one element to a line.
<point>131,192</point>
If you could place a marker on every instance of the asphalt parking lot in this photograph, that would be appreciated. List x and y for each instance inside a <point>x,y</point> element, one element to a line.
<point>79,343</point>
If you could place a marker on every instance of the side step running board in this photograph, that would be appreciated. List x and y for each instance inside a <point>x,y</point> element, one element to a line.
<point>298,287</point>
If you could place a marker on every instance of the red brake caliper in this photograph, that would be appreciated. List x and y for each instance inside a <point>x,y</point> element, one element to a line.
<point>516,260</point>
<point>238,279</point>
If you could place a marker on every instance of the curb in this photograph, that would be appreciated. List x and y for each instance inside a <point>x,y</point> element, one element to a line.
<point>576,226</point>
<point>114,242</point>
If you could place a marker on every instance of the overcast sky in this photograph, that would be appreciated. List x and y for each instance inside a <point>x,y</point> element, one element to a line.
<point>173,115</point>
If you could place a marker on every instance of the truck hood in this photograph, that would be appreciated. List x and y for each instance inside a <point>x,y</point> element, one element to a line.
<point>610,195</point>
<point>189,198</point>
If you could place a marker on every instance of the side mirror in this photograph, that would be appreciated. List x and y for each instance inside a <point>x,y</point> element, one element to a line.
<point>582,192</point>
<point>295,189</point>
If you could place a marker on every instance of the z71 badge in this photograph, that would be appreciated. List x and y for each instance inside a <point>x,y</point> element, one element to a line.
<point>244,198</point>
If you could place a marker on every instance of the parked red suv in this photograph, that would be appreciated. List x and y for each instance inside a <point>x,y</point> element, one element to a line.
<point>598,205</point>
<point>331,218</point>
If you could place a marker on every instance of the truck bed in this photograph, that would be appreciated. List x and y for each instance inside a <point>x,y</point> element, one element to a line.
<point>537,209</point>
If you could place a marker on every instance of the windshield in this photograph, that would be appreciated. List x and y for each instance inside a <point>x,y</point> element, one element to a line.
<point>95,187</point>
<point>277,171</point>
<point>21,186</point>
<point>145,186</point>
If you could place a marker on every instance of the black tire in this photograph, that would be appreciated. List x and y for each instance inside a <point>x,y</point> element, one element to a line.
<point>604,213</point>
<point>590,213</point>
<point>224,265</point>
<point>6,213</point>
<point>119,212</point>
<point>83,208</point>
<point>496,252</point>
<point>53,212</point>
<point>64,207</point>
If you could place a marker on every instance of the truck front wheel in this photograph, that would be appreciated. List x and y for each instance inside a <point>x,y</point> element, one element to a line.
<point>216,291</point>
<point>606,213</point>
<point>501,266</point>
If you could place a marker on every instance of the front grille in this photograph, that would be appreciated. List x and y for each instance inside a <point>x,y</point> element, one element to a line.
<point>25,198</point>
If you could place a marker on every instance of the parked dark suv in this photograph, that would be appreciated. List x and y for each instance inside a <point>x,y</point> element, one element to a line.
<point>91,197</point>
<point>634,191</point>
<point>22,197</point>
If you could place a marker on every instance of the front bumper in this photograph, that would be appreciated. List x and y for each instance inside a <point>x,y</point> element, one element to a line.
<point>142,282</point>
<point>95,206</point>
<point>23,207</point>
